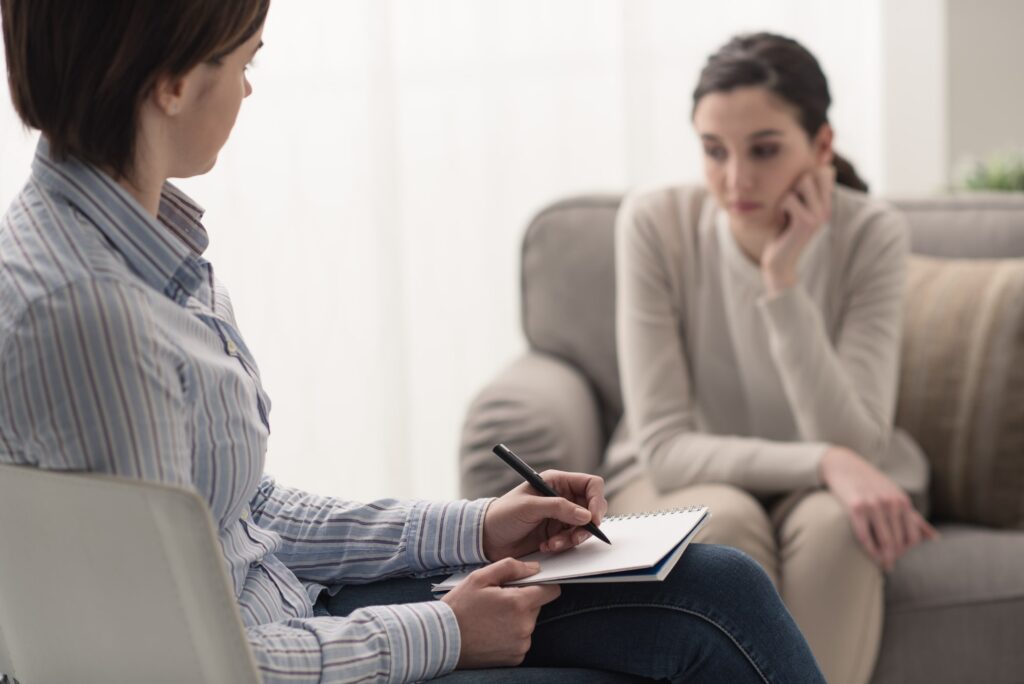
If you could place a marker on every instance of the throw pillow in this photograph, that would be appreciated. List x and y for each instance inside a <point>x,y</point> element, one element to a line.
<point>962,385</point>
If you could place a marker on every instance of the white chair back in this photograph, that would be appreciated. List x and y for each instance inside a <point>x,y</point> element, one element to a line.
<point>110,580</point>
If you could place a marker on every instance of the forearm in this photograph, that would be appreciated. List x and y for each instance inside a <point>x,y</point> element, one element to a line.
<point>825,402</point>
<point>681,458</point>
<point>329,540</point>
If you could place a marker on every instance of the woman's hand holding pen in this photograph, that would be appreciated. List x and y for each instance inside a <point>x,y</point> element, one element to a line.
<point>883,519</point>
<point>806,208</point>
<point>523,521</point>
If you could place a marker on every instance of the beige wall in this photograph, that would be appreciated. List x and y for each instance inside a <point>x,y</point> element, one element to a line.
<point>986,79</point>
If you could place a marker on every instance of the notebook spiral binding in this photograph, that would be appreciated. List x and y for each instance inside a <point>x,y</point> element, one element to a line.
<point>654,514</point>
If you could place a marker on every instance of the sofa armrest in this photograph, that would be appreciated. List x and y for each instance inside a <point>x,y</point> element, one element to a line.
<point>544,410</point>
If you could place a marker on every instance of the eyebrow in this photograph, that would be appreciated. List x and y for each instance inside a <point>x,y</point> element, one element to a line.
<point>766,133</point>
<point>258,48</point>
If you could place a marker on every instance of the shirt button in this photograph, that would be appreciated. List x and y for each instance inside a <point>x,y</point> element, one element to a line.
<point>232,347</point>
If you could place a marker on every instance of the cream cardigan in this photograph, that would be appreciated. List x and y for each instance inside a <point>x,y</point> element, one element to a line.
<point>722,382</point>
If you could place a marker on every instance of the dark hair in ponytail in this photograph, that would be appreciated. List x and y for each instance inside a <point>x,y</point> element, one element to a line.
<point>788,71</point>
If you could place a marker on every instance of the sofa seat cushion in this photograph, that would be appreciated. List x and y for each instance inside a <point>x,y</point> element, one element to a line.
<point>966,565</point>
<point>962,385</point>
<point>955,610</point>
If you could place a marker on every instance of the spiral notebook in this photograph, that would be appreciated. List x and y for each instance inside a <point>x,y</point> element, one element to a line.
<point>645,547</point>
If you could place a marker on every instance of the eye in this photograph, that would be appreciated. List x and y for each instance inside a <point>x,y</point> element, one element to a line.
<point>764,151</point>
<point>716,152</point>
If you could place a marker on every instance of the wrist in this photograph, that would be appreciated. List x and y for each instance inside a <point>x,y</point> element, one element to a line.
<point>776,283</point>
<point>486,543</point>
<point>834,455</point>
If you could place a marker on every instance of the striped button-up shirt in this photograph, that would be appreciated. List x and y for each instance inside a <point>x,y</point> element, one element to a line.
<point>119,353</point>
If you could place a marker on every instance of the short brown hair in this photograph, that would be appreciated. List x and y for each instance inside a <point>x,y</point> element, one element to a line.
<point>79,70</point>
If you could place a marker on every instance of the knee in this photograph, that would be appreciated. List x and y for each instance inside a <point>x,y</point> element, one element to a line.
<point>739,577</point>
<point>818,521</point>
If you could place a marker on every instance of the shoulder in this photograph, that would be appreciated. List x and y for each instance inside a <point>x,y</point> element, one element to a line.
<point>46,249</point>
<point>673,204</point>
<point>863,222</point>
<point>668,217</point>
<point>870,239</point>
<point>61,289</point>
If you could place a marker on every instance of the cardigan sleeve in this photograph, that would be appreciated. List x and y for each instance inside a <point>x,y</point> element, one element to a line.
<point>843,391</point>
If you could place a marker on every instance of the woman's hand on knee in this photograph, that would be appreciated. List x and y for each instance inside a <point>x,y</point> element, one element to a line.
<point>883,518</point>
<point>496,622</point>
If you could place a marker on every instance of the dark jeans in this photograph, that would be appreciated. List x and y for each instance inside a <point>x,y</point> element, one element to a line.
<point>716,618</point>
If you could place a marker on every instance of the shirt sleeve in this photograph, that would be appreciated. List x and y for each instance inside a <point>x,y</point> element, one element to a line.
<point>401,643</point>
<point>329,540</point>
<point>656,386</point>
<point>88,384</point>
<point>843,391</point>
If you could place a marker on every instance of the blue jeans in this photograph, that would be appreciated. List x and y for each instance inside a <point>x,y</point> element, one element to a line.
<point>716,618</point>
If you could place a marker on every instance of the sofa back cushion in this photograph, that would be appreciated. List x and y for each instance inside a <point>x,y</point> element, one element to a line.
<point>967,226</point>
<point>962,384</point>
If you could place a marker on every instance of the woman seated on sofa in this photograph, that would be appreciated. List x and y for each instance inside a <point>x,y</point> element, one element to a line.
<point>119,353</point>
<point>758,323</point>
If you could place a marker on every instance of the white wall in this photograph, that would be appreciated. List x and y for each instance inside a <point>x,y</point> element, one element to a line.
<point>913,110</point>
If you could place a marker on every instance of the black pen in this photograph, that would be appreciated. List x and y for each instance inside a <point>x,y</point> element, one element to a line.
<point>537,482</point>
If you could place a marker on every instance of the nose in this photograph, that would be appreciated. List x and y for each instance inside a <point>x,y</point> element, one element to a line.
<point>739,174</point>
<point>248,87</point>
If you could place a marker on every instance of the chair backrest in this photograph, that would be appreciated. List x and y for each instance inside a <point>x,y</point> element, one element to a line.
<point>105,579</point>
<point>568,270</point>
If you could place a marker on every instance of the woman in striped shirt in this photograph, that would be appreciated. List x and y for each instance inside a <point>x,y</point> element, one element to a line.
<point>120,353</point>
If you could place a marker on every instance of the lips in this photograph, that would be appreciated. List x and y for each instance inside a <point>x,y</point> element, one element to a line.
<point>744,206</point>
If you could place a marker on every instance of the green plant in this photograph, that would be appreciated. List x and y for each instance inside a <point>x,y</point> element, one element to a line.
<point>1003,171</point>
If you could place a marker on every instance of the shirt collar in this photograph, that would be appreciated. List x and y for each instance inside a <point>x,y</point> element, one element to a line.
<point>163,250</point>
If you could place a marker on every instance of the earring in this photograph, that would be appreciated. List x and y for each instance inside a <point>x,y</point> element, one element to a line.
<point>173,108</point>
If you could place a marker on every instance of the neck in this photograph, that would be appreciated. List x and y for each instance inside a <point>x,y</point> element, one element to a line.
<point>752,239</point>
<point>146,178</point>
<point>145,190</point>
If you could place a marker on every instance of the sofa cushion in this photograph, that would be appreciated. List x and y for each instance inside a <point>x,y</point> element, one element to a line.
<point>962,385</point>
<point>955,610</point>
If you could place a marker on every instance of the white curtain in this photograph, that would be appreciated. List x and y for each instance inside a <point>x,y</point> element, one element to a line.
<point>367,212</point>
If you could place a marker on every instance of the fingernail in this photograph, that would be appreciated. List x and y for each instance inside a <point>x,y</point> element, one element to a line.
<point>582,537</point>
<point>582,514</point>
<point>557,544</point>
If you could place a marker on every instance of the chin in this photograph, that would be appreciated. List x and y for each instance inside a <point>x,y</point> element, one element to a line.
<point>753,220</point>
<point>197,170</point>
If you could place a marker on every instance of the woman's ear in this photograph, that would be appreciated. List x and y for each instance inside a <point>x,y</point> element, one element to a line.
<point>822,144</point>
<point>168,94</point>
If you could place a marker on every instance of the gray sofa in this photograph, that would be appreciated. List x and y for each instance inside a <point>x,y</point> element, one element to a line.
<point>954,607</point>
